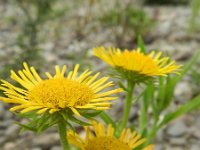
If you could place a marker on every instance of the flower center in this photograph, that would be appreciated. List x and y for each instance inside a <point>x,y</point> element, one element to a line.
<point>61,93</point>
<point>106,143</point>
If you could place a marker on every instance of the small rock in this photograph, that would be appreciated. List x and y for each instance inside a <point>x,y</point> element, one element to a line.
<point>177,141</point>
<point>177,129</point>
<point>51,57</point>
<point>173,148</point>
<point>195,147</point>
<point>9,146</point>
<point>56,148</point>
<point>46,140</point>
<point>2,132</point>
<point>22,143</point>
<point>2,45</point>
<point>183,92</point>
<point>3,139</point>
<point>48,46</point>
<point>5,124</point>
<point>8,115</point>
<point>158,147</point>
<point>197,122</point>
<point>160,136</point>
<point>195,132</point>
<point>36,148</point>
<point>12,131</point>
<point>2,110</point>
<point>133,113</point>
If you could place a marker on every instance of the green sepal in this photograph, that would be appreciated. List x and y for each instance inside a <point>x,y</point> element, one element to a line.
<point>65,114</point>
<point>73,119</point>
<point>91,114</point>
<point>44,118</point>
<point>107,119</point>
<point>26,127</point>
<point>49,122</point>
<point>26,115</point>
<point>38,123</point>
<point>121,85</point>
<point>68,115</point>
<point>70,126</point>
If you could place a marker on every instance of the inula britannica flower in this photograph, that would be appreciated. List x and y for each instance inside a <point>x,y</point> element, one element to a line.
<point>135,65</point>
<point>104,139</point>
<point>73,92</point>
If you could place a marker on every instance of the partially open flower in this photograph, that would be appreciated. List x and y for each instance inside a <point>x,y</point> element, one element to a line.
<point>57,92</point>
<point>104,139</point>
<point>135,65</point>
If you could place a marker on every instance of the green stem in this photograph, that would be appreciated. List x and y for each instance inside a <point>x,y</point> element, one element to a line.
<point>143,122</point>
<point>128,104</point>
<point>63,135</point>
<point>153,130</point>
<point>107,119</point>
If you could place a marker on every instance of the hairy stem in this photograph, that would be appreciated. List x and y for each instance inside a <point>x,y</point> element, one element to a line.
<point>63,135</point>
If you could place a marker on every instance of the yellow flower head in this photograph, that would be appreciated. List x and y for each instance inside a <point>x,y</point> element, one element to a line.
<point>135,65</point>
<point>57,92</point>
<point>104,139</point>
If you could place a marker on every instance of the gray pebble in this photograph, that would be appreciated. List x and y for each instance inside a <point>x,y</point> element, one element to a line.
<point>36,148</point>
<point>46,140</point>
<point>2,110</point>
<point>56,148</point>
<point>177,141</point>
<point>195,147</point>
<point>3,139</point>
<point>177,129</point>
<point>9,146</point>
<point>12,131</point>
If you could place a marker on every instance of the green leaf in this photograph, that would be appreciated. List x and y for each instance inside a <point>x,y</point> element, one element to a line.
<point>189,106</point>
<point>167,87</point>
<point>141,44</point>
<point>166,93</point>
<point>161,91</point>
<point>145,103</point>
<point>148,95</point>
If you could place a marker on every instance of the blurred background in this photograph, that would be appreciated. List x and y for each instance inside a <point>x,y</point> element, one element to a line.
<point>49,32</point>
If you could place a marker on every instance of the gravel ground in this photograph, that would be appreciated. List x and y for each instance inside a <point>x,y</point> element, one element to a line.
<point>170,33</point>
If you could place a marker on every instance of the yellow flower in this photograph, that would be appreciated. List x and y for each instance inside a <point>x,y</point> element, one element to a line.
<point>57,92</point>
<point>135,65</point>
<point>104,139</point>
